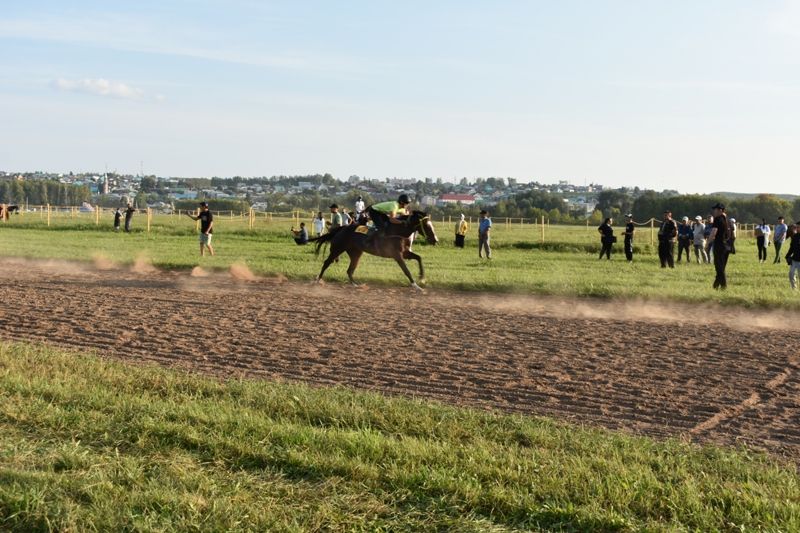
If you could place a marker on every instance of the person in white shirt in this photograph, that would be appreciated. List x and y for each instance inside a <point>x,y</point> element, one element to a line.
<point>319,224</point>
<point>359,207</point>
<point>699,239</point>
<point>762,232</point>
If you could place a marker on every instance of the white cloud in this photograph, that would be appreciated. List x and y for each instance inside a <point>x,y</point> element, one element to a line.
<point>102,87</point>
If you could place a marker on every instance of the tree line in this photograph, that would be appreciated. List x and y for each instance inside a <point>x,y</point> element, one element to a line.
<point>650,204</point>
<point>43,192</point>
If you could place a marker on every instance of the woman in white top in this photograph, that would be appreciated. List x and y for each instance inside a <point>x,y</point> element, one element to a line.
<point>762,240</point>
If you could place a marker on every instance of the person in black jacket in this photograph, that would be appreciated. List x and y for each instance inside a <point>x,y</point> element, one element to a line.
<point>666,240</point>
<point>721,237</point>
<point>629,229</point>
<point>606,238</point>
<point>793,255</point>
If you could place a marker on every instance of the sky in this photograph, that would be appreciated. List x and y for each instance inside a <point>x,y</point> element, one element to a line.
<point>692,95</point>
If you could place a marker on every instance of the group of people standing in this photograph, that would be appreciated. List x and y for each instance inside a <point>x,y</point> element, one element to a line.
<point>712,241</point>
<point>484,229</point>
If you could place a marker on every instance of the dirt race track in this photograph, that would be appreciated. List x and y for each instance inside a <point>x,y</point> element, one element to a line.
<point>646,368</point>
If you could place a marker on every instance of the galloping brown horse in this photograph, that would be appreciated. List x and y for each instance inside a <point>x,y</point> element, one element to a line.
<point>395,244</point>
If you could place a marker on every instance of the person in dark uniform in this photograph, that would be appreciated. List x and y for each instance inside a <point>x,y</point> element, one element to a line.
<point>606,238</point>
<point>720,236</point>
<point>666,240</point>
<point>128,216</point>
<point>629,229</point>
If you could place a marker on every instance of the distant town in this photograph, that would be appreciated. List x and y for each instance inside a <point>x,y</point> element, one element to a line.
<point>562,201</point>
<point>279,193</point>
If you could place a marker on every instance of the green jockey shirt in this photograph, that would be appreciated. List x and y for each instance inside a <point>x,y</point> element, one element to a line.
<point>390,208</point>
<point>336,220</point>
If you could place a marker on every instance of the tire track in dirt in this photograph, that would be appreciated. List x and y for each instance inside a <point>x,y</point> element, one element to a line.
<point>640,371</point>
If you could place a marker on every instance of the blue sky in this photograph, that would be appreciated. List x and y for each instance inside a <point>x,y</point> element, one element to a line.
<point>697,96</point>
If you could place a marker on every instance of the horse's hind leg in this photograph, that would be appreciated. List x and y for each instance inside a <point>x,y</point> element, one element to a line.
<point>355,256</point>
<point>408,254</point>
<point>335,252</point>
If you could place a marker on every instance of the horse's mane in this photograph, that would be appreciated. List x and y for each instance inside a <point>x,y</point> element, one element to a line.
<point>418,214</point>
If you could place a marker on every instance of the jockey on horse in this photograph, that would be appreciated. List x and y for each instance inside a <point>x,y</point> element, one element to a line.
<point>385,213</point>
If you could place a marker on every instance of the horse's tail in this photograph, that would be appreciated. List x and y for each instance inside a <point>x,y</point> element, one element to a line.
<point>322,239</point>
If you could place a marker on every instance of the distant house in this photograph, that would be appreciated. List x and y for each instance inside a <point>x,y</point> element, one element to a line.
<point>428,201</point>
<point>464,199</point>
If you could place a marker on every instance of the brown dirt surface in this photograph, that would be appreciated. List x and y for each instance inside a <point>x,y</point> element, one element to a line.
<point>710,374</point>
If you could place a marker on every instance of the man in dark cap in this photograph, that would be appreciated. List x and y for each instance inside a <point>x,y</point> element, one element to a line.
<point>721,238</point>
<point>336,218</point>
<point>629,229</point>
<point>666,240</point>
<point>206,218</point>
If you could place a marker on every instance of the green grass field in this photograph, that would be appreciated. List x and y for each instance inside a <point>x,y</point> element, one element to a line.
<point>90,445</point>
<point>564,264</point>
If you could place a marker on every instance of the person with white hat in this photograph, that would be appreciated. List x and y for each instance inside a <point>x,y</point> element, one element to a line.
<point>699,240</point>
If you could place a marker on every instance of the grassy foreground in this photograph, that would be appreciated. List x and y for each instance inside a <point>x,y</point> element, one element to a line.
<point>564,264</point>
<point>86,444</point>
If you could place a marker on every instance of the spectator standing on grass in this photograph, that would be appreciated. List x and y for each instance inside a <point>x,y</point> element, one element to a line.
<point>699,239</point>
<point>206,218</point>
<point>685,238</point>
<point>359,207</point>
<point>779,236</point>
<point>707,235</point>
<point>793,255</point>
<point>762,232</point>
<point>721,235</point>
<point>734,227</point>
<point>128,216</point>
<point>461,231</point>
<point>484,228</point>
<point>606,238</point>
<point>346,218</point>
<point>319,224</point>
<point>629,229</point>
<point>336,218</point>
<point>666,240</point>
<point>117,218</point>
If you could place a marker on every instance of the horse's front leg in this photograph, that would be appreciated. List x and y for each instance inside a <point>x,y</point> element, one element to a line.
<point>399,259</point>
<point>408,254</point>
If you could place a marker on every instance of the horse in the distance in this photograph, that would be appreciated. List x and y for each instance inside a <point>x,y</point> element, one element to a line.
<point>6,210</point>
<point>394,244</point>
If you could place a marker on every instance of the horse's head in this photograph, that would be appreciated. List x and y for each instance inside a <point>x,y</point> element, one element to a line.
<point>421,222</point>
